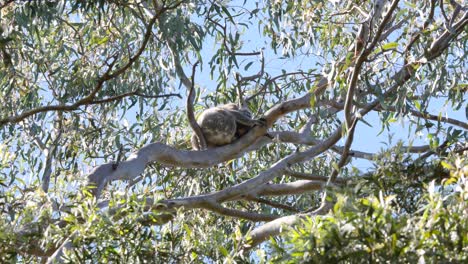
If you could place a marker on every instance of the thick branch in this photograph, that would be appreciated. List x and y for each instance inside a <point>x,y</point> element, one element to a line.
<point>272,228</point>
<point>166,155</point>
<point>297,187</point>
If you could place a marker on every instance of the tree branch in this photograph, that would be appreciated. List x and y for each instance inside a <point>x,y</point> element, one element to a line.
<point>108,75</point>
<point>307,176</point>
<point>166,155</point>
<point>273,204</point>
<point>255,217</point>
<point>429,116</point>
<point>415,36</point>
<point>272,228</point>
<point>297,187</point>
<point>358,65</point>
<point>134,93</point>
<point>190,113</point>
<point>413,112</point>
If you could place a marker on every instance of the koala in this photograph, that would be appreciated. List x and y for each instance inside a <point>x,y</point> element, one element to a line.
<point>222,125</point>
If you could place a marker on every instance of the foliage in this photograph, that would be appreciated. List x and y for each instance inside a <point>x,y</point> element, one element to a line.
<point>84,84</point>
<point>375,228</point>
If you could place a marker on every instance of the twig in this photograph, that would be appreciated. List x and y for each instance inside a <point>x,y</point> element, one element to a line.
<point>134,93</point>
<point>308,176</point>
<point>190,114</point>
<point>274,204</point>
<point>272,80</point>
<point>216,207</point>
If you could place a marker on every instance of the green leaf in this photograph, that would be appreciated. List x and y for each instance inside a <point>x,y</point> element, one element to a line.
<point>312,101</point>
<point>248,65</point>
<point>99,40</point>
<point>365,122</point>
<point>446,165</point>
<point>223,251</point>
<point>390,45</point>
<point>417,104</point>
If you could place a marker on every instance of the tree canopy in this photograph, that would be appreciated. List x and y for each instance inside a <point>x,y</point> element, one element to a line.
<point>99,101</point>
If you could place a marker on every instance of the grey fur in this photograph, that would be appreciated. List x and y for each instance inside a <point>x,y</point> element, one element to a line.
<point>221,125</point>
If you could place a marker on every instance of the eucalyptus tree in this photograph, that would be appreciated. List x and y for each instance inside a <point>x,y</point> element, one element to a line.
<point>99,102</point>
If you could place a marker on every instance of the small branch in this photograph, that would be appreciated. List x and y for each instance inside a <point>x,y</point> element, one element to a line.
<point>298,138</point>
<point>358,65</point>
<point>255,217</point>
<point>65,244</point>
<point>391,30</point>
<point>225,44</point>
<point>415,37</point>
<point>190,113</point>
<point>254,53</point>
<point>305,176</point>
<point>456,11</point>
<point>356,153</point>
<point>255,76</point>
<point>382,26</point>
<point>134,93</point>
<point>49,158</point>
<point>441,3</point>
<point>428,116</point>
<point>272,80</point>
<point>274,204</point>
<point>345,153</point>
<point>190,86</point>
<point>413,112</point>
<point>431,152</point>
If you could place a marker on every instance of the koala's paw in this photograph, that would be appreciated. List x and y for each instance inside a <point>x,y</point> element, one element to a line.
<point>261,122</point>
